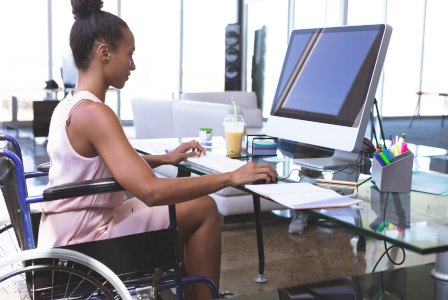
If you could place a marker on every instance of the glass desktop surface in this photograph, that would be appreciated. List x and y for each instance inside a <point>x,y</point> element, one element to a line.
<point>412,283</point>
<point>418,221</point>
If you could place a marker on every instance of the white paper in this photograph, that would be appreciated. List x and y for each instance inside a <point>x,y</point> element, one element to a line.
<point>303,195</point>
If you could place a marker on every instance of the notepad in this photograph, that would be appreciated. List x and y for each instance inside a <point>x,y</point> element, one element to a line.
<point>303,195</point>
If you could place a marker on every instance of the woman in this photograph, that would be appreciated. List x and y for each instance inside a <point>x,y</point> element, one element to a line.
<point>86,141</point>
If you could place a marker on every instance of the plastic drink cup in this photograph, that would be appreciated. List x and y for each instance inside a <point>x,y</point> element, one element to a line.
<point>234,131</point>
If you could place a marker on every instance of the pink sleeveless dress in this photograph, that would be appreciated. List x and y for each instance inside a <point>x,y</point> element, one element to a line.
<point>89,218</point>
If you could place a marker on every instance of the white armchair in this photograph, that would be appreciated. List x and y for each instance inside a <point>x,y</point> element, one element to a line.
<point>183,118</point>
<point>247,101</point>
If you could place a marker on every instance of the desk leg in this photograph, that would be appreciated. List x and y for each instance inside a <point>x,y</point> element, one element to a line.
<point>441,270</point>
<point>257,212</point>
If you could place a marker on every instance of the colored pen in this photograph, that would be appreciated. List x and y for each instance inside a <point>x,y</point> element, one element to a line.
<point>404,147</point>
<point>396,149</point>
<point>379,159</point>
<point>168,150</point>
<point>404,134</point>
<point>384,158</point>
<point>387,154</point>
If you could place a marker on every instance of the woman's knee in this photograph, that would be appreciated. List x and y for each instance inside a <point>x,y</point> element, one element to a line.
<point>210,207</point>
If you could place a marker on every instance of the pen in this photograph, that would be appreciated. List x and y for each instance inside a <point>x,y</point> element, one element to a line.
<point>337,181</point>
<point>404,147</point>
<point>383,157</point>
<point>168,150</point>
<point>379,159</point>
<point>404,134</point>
<point>387,154</point>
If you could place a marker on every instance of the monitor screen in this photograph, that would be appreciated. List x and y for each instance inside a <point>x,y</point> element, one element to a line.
<point>327,73</point>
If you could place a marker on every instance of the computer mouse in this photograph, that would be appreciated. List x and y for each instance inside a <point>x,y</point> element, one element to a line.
<point>263,181</point>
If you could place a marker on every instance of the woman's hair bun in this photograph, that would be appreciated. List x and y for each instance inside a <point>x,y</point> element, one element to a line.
<point>85,8</point>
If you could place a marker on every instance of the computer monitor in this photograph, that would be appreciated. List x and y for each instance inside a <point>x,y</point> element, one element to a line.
<point>326,90</point>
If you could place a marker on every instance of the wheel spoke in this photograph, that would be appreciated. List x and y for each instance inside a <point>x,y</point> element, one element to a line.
<point>13,241</point>
<point>95,291</point>
<point>79,284</point>
<point>70,275</point>
<point>52,282</point>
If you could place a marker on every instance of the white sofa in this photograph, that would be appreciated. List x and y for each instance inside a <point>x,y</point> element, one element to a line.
<point>183,118</point>
<point>247,101</point>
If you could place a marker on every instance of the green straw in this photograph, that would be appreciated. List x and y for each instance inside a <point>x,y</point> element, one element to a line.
<point>234,108</point>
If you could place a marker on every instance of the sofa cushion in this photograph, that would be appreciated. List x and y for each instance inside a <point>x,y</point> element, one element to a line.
<point>235,205</point>
<point>152,118</point>
<point>242,99</point>
<point>253,117</point>
<point>190,116</point>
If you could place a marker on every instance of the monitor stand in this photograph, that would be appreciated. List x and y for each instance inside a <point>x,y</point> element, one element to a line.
<point>339,160</point>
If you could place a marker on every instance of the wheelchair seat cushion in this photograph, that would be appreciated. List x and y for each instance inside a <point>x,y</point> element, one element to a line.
<point>92,224</point>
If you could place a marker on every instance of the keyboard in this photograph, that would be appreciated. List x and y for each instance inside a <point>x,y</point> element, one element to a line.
<point>215,163</point>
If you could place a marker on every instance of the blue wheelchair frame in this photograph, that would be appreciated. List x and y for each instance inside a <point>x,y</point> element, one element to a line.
<point>25,201</point>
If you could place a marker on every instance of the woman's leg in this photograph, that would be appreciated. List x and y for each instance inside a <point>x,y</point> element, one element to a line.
<point>200,242</point>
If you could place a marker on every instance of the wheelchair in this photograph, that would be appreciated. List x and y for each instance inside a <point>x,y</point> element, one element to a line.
<point>42,170</point>
<point>129,267</point>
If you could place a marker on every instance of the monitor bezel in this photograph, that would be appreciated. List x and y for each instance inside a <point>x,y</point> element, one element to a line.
<point>332,136</point>
<point>282,94</point>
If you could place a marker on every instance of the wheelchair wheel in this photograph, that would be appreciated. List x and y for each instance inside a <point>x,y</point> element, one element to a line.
<point>57,274</point>
<point>8,241</point>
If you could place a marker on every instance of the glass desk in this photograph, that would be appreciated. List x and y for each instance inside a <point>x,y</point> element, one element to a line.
<point>415,221</point>
<point>411,283</point>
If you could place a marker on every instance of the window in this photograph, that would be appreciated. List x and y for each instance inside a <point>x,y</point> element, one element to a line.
<point>435,60</point>
<point>369,12</point>
<point>155,25</point>
<point>23,56</point>
<point>403,60</point>
<point>310,14</point>
<point>273,14</point>
<point>204,43</point>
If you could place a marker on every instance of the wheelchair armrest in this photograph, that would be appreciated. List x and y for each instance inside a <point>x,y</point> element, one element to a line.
<point>82,188</point>
<point>45,167</point>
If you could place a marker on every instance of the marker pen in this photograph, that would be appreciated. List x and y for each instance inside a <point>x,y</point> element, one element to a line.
<point>404,147</point>
<point>378,158</point>
<point>384,158</point>
<point>387,155</point>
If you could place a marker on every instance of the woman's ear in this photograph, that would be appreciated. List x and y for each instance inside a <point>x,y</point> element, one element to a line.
<point>103,53</point>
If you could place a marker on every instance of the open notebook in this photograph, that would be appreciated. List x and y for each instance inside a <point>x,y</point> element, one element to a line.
<point>303,195</point>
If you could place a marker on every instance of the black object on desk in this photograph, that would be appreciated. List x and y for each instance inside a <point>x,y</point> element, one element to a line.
<point>42,111</point>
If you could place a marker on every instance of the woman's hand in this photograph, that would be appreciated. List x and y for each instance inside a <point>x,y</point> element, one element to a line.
<point>180,153</point>
<point>251,172</point>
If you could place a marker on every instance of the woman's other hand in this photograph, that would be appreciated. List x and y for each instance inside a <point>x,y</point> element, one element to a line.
<point>251,172</point>
<point>181,153</point>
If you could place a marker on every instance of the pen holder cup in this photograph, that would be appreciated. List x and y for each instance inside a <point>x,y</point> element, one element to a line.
<point>396,176</point>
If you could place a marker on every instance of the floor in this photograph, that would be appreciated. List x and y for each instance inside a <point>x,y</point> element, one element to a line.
<point>320,253</point>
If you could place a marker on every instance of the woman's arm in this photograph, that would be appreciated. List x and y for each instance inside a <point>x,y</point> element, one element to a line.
<point>176,156</point>
<point>96,125</point>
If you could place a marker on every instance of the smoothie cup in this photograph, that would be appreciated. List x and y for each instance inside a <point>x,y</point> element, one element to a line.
<point>234,130</point>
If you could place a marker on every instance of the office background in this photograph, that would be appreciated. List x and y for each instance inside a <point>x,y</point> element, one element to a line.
<point>180,47</point>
